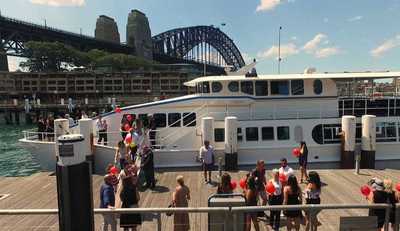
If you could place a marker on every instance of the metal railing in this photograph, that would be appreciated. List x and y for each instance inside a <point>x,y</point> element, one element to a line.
<point>234,212</point>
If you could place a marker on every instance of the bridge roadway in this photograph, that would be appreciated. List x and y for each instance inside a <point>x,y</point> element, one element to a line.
<point>39,191</point>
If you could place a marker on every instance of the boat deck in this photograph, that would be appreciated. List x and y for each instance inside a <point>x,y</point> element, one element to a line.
<point>39,191</point>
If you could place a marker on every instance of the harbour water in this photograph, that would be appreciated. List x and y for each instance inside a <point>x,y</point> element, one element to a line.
<point>14,160</point>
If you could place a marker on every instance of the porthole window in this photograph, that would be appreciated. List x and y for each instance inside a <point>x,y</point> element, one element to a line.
<point>216,87</point>
<point>317,86</point>
<point>233,86</point>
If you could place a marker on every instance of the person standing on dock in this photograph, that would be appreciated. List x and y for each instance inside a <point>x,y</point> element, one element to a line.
<point>303,158</point>
<point>292,195</point>
<point>207,158</point>
<point>312,194</point>
<point>285,169</point>
<point>107,200</point>
<point>180,198</point>
<point>276,198</point>
<point>102,130</point>
<point>129,197</point>
<point>147,165</point>
<point>259,176</point>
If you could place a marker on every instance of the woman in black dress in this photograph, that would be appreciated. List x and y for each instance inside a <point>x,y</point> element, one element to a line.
<point>312,194</point>
<point>130,198</point>
<point>377,196</point>
<point>303,158</point>
<point>251,200</point>
<point>292,196</point>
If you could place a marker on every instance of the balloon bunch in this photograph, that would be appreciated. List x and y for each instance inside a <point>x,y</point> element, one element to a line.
<point>398,187</point>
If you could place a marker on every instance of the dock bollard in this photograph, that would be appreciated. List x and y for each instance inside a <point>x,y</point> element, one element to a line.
<point>74,185</point>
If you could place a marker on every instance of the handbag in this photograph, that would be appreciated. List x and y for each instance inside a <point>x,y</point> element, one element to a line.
<point>171,205</point>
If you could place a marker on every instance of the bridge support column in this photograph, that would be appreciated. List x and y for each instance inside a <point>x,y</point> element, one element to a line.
<point>3,60</point>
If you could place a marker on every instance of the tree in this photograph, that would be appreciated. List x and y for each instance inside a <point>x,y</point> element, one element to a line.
<point>55,57</point>
<point>52,56</point>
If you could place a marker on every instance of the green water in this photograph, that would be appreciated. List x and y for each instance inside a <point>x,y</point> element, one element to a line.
<point>14,160</point>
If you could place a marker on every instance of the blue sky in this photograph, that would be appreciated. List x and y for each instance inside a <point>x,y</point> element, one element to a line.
<point>330,35</point>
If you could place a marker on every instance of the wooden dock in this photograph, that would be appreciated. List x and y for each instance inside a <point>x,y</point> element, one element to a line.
<point>39,192</point>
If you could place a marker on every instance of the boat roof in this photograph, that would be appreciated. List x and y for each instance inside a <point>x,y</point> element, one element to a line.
<point>333,76</point>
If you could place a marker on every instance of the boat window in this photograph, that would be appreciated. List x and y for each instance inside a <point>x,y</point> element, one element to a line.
<point>216,87</point>
<point>199,88</point>
<point>160,120</point>
<point>206,87</point>
<point>297,87</point>
<point>283,133</point>
<point>280,87</point>
<point>261,88</point>
<point>267,133</point>
<point>233,86</point>
<point>252,134</point>
<point>239,135</point>
<point>326,133</point>
<point>386,132</point>
<point>189,119</point>
<point>174,119</point>
<point>317,86</point>
<point>219,134</point>
<point>247,87</point>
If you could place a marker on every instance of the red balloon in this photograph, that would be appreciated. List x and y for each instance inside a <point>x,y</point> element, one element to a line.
<point>129,118</point>
<point>270,188</point>
<point>118,110</point>
<point>365,190</point>
<point>296,152</point>
<point>242,183</point>
<point>128,138</point>
<point>398,187</point>
<point>114,170</point>
<point>282,177</point>
<point>233,185</point>
<point>127,127</point>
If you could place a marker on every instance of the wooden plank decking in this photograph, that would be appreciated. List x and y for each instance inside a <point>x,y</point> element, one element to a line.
<point>39,192</point>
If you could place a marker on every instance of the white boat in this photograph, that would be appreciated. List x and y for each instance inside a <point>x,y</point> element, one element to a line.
<point>274,113</point>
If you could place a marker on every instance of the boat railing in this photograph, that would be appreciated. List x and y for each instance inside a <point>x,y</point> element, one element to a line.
<point>35,135</point>
<point>224,218</point>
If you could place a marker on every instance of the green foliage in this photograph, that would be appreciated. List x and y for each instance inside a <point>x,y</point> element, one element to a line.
<point>55,57</point>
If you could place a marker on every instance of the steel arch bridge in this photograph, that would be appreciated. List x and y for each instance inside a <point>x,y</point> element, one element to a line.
<point>205,44</point>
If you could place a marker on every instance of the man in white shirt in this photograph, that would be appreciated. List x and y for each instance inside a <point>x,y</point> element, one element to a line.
<point>206,155</point>
<point>285,169</point>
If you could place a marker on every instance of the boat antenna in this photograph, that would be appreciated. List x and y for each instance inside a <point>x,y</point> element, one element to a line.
<point>279,50</point>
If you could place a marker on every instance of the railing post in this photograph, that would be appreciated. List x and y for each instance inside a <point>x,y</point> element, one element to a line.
<point>235,220</point>
<point>397,218</point>
<point>387,217</point>
<point>158,217</point>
